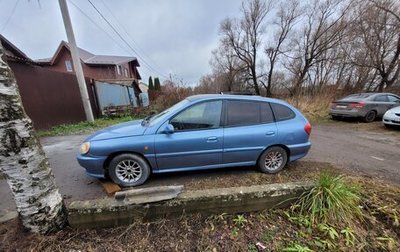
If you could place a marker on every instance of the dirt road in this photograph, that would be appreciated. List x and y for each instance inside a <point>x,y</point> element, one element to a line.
<point>368,150</point>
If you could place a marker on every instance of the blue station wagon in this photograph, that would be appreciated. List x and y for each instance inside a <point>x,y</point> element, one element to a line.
<point>200,132</point>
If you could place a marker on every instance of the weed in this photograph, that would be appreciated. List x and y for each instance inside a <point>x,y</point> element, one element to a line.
<point>240,220</point>
<point>328,231</point>
<point>268,236</point>
<point>252,248</point>
<point>330,200</point>
<point>348,236</point>
<point>295,247</point>
<point>323,244</point>
<point>235,232</point>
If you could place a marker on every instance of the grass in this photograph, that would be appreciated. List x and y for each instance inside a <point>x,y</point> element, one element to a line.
<point>83,127</point>
<point>330,200</point>
<point>273,230</point>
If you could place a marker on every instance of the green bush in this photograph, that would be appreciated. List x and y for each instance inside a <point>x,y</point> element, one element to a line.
<point>331,200</point>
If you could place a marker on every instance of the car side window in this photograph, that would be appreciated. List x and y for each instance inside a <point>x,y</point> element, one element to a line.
<point>206,115</point>
<point>241,113</point>
<point>381,98</point>
<point>393,98</point>
<point>282,112</point>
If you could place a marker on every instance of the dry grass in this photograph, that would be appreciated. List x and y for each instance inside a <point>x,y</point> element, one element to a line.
<point>315,108</point>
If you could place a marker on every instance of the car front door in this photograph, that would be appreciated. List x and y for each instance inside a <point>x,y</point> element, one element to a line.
<point>249,128</point>
<point>196,141</point>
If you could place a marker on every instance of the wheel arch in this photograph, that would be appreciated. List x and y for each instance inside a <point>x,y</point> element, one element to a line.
<point>276,145</point>
<point>114,154</point>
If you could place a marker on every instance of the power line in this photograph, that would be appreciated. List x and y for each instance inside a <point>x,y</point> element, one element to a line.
<point>11,14</point>
<point>122,38</point>
<point>99,27</point>
<point>129,36</point>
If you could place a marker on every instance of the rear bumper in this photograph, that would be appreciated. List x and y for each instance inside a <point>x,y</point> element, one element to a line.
<point>298,151</point>
<point>347,113</point>
<point>94,165</point>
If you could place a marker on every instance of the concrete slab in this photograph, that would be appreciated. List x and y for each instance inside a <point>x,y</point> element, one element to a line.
<point>108,212</point>
<point>148,195</point>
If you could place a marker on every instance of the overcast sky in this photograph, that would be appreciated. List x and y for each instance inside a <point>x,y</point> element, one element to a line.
<point>172,36</point>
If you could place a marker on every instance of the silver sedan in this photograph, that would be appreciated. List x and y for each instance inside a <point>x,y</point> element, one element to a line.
<point>367,106</point>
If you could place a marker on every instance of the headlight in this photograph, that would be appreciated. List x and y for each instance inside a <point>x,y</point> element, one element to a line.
<point>84,148</point>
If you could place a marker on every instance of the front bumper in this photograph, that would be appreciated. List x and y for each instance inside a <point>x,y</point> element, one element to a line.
<point>391,120</point>
<point>94,165</point>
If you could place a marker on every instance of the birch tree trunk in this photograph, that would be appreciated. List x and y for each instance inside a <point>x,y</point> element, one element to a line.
<point>24,163</point>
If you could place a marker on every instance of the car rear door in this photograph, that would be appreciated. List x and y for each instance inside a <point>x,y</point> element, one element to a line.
<point>248,128</point>
<point>196,141</point>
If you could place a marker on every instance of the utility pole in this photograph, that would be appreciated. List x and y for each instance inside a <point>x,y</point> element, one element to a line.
<point>76,60</point>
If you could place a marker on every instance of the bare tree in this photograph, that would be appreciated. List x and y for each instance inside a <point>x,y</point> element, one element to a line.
<point>244,36</point>
<point>23,162</point>
<point>376,38</point>
<point>227,68</point>
<point>322,31</point>
<point>287,15</point>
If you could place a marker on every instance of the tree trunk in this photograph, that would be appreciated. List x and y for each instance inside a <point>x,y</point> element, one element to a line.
<point>24,163</point>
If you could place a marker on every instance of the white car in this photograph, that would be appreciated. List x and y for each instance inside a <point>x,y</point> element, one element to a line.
<point>392,117</point>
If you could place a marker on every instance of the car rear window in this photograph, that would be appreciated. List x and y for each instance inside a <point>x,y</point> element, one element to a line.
<point>362,95</point>
<point>282,112</point>
<point>240,113</point>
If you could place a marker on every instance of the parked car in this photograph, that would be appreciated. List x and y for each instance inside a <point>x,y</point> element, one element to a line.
<point>200,132</point>
<point>367,106</point>
<point>392,117</point>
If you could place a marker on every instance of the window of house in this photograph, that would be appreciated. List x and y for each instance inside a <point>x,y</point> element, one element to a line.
<point>126,72</point>
<point>206,115</point>
<point>282,112</point>
<point>68,66</point>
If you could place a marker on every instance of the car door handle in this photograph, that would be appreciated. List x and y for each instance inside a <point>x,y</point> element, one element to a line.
<point>270,133</point>
<point>212,139</point>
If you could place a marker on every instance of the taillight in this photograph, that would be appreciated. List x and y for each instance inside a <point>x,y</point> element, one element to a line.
<point>308,128</point>
<point>357,105</point>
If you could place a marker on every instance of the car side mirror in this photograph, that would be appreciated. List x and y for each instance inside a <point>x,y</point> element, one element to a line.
<point>169,129</point>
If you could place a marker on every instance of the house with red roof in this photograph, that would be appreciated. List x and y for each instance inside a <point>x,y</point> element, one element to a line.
<point>98,67</point>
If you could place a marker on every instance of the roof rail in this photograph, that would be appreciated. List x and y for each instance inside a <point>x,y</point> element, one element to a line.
<point>238,93</point>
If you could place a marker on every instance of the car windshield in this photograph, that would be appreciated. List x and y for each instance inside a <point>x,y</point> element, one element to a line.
<point>155,118</point>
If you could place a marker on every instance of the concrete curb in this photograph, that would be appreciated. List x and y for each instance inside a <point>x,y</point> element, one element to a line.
<point>109,212</point>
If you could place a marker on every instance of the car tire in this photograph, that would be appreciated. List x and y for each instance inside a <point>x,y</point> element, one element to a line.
<point>370,116</point>
<point>273,160</point>
<point>129,170</point>
<point>336,118</point>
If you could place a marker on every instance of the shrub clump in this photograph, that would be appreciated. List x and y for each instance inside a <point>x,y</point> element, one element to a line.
<point>331,200</point>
